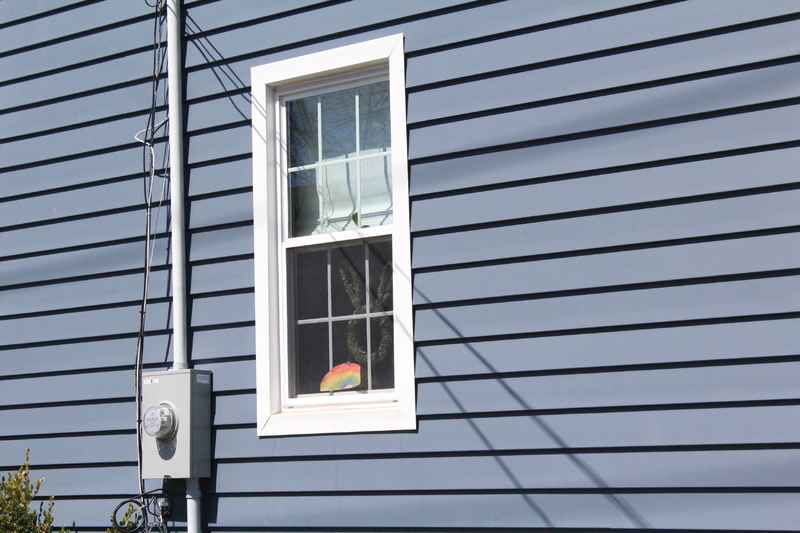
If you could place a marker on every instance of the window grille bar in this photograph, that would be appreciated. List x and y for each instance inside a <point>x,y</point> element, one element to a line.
<point>330,313</point>
<point>331,162</point>
<point>358,171</point>
<point>369,321</point>
<point>343,318</point>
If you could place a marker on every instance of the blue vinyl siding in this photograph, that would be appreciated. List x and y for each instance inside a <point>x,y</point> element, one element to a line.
<point>605,249</point>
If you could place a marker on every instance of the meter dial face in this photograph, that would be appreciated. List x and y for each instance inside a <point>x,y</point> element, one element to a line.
<point>160,421</point>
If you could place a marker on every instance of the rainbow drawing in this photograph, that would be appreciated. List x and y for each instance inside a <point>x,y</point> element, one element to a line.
<point>340,377</point>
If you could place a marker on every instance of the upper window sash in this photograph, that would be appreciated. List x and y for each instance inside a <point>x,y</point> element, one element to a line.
<point>312,89</point>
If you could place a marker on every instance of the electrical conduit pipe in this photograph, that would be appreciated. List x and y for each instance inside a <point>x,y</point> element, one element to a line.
<point>180,359</point>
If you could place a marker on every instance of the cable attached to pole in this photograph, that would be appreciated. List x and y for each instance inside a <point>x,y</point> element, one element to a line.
<point>149,172</point>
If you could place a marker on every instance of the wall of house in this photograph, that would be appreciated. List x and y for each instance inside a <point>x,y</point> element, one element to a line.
<point>605,249</point>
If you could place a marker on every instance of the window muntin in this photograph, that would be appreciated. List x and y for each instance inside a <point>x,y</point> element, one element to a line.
<point>339,158</point>
<point>379,218</point>
<point>338,180</point>
<point>337,291</point>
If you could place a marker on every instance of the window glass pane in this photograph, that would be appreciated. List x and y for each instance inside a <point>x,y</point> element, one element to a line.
<point>326,335</point>
<point>348,291</point>
<point>382,353</point>
<point>357,192</point>
<point>304,198</point>
<point>380,276</point>
<point>303,138</point>
<point>373,109</point>
<point>338,124</point>
<point>376,191</point>
<point>349,342</point>
<point>339,189</point>
<point>311,340</point>
<point>310,284</point>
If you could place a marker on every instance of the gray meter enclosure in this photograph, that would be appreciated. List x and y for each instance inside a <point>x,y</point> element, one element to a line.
<point>187,452</point>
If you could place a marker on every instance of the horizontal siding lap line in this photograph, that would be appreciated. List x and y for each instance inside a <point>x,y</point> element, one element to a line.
<point>638,408</point>
<point>650,4</point>
<point>220,293</point>
<point>238,91</point>
<point>98,307</point>
<point>115,498</point>
<point>68,403</point>
<point>755,360</point>
<point>223,359</point>
<point>71,188</point>
<point>71,218</point>
<point>73,372</point>
<point>72,157</point>
<point>610,450</point>
<point>220,160</point>
<point>84,277</point>
<point>218,227</point>
<point>618,208</point>
<point>220,127</point>
<point>79,247</point>
<point>457,529</point>
<point>565,137</point>
<point>610,170</point>
<point>224,259</point>
<point>237,392</point>
<point>601,289</point>
<point>71,434</point>
<point>75,66</point>
<point>45,14</point>
<point>78,125</point>
<point>516,452</point>
<point>79,340</point>
<point>227,93</point>
<point>73,466</point>
<point>572,98</point>
<point>79,94</point>
<point>229,192</point>
<point>335,35</point>
<point>632,127</point>
<point>444,11</point>
<point>514,491</point>
<point>195,35</point>
<point>605,52</point>
<point>620,89</point>
<point>120,368</point>
<point>77,35</point>
<point>618,327</point>
<point>611,249</point>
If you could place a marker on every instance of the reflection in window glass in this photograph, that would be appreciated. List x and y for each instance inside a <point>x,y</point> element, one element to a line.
<point>303,144</point>
<point>338,124</point>
<point>339,160</point>
<point>374,127</point>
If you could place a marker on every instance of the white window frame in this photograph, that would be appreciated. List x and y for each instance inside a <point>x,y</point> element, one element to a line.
<point>394,409</point>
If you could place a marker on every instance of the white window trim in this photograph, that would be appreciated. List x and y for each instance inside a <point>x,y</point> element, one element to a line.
<point>380,411</point>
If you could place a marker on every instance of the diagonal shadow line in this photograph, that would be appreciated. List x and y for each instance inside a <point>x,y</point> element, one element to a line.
<point>499,460</point>
<point>588,471</point>
<point>211,54</point>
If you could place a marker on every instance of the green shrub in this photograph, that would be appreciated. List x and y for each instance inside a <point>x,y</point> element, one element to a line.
<point>17,491</point>
<point>127,521</point>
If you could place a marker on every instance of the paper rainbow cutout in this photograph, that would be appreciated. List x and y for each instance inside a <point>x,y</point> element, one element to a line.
<point>340,377</point>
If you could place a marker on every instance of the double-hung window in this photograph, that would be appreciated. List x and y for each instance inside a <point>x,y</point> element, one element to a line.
<point>334,350</point>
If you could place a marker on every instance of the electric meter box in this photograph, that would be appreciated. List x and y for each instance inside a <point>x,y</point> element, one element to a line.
<point>176,424</point>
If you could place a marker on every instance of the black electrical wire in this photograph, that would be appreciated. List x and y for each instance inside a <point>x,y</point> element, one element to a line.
<point>149,173</point>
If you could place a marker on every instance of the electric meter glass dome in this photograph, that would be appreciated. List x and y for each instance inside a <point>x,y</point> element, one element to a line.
<point>160,421</point>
